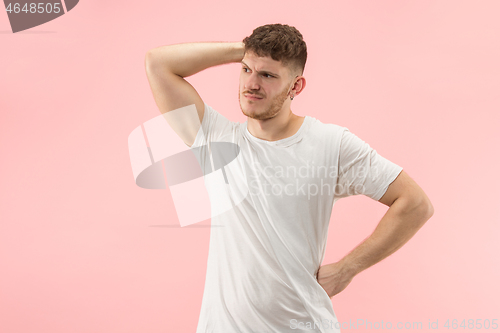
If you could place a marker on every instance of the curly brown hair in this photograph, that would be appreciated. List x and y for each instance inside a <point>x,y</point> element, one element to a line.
<point>282,43</point>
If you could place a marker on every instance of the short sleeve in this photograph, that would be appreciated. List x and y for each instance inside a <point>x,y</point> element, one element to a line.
<point>361,170</point>
<point>214,128</point>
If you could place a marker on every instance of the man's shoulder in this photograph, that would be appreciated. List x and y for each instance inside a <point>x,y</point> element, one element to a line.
<point>217,127</point>
<point>326,128</point>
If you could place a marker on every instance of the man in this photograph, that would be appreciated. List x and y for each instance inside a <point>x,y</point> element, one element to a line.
<point>263,272</point>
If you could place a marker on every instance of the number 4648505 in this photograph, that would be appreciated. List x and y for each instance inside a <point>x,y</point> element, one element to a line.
<point>33,8</point>
<point>471,324</point>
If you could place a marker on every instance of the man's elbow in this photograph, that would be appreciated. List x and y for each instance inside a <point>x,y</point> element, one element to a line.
<point>416,205</point>
<point>430,209</point>
<point>425,208</point>
<point>149,60</point>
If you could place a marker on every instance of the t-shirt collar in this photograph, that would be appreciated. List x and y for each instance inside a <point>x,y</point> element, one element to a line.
<point>283,142</point>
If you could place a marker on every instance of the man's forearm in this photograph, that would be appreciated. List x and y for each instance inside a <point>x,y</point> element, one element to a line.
<point>399,224</point>
<point>190,58</point>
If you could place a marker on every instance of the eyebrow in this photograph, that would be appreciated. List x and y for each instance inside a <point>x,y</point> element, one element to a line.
<point>261,72</point>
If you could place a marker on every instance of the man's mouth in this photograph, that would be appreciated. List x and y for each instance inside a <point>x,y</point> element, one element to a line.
<point>252,97</point>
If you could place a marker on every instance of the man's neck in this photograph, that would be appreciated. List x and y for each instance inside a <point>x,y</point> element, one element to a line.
<point>278,128</point>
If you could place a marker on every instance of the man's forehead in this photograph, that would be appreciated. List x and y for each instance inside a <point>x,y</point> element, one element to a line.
<point>263,63</point>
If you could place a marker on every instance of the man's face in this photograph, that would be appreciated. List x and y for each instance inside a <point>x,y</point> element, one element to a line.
<point>268,81</point>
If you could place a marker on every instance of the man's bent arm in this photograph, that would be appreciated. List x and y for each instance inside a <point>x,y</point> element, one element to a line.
<point>190,58</point>
<point>166,67</point>
<point>409,209</point>
<point>400,223</point>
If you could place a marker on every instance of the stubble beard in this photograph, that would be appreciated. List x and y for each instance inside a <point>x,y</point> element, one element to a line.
<point>271,111</point>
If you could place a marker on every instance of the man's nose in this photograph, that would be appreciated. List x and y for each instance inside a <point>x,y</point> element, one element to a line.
<point>252,82</point>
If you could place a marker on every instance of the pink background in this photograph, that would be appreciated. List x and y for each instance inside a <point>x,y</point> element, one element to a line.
<point>84,249</point>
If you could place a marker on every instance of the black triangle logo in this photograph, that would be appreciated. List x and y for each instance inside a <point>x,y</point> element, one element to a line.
<point>28,14</point>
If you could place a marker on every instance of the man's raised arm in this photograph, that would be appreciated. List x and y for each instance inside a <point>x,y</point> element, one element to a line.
<point>166,67</point>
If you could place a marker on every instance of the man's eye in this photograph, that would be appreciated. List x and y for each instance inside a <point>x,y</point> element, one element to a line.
<point>244,69</point>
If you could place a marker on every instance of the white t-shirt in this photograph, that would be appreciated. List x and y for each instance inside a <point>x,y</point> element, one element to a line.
<point>266,250</point>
